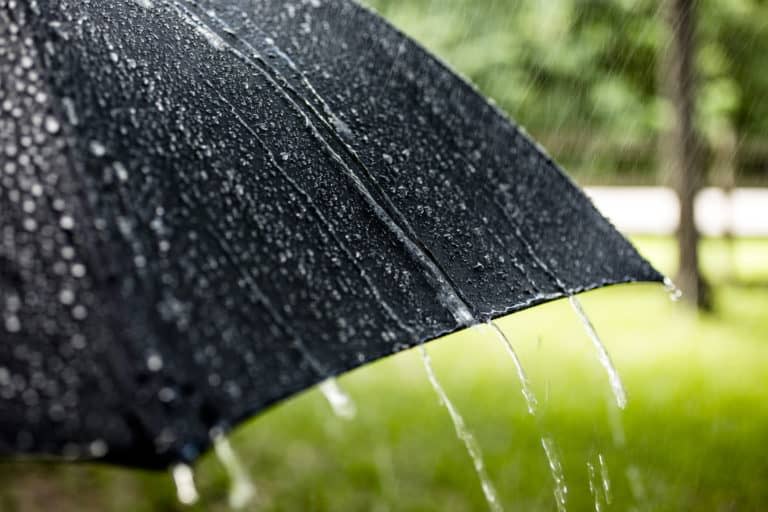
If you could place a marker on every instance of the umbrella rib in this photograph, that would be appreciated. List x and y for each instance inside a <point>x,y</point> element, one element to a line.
<point>448,293</point>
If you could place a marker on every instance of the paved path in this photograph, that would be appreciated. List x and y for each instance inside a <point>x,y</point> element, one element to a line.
<point>654,210</point>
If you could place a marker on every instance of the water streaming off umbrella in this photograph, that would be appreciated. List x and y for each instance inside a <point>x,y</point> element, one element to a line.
<point>184,479</point>
<point>605,478</point>
<point>241,488</point>
<point>602,354</point>
<point>556,468</point>
<point>525,385</point>
<point>466,436</point>
<point>675,293</point>
<point>341,403</point>
<point>594,486</point>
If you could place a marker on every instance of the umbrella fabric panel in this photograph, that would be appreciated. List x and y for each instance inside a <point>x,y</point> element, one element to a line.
<point>198,239</point>
<point>410,120</point>
<point>240,200</point>
<point>49,351</point>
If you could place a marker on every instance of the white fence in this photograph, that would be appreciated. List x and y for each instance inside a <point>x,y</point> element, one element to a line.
<point>654,210</point>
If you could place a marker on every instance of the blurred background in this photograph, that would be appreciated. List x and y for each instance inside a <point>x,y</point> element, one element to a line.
<point>660,108</point>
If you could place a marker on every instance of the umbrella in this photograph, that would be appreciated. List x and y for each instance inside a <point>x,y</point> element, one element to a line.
<point>209,206</point>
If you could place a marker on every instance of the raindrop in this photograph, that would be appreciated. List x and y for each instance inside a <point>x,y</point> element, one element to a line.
<point>52,125</point>
<point>341,403</point>
<point>98,448</point>
<point>675,293</point>
<point>78,270</point>
<point>556,468</point>
<point>120,171</point>
<point>242,491</point>
<point>636,486</point>
<point>166,394</point>
<point>602,353</point>
<point>78,342</point>
<point>30,224</point>
<point>12,323</point>
<point>184,479</point>
<point>67,296</point>
<point>341,127</point>
<point>605,477</point>
<point>97,148</point>
<point>66,222</point>
<point>464,434</point>
<point>79,312</point>
<point>69,110</point>
<point>594,488</point>
<point>154,362</point>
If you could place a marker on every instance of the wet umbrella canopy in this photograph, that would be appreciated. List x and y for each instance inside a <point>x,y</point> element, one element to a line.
<point>206,207</point>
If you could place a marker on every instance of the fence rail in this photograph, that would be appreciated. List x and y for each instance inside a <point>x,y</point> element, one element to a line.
<point>654,210</point>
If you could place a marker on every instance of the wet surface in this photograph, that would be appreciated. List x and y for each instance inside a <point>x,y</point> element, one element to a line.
<point>207,208</point>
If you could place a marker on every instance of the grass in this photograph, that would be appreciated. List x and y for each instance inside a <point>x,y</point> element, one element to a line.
<point>692,437</point>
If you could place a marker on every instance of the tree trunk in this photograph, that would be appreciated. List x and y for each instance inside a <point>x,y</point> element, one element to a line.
<point>681,146</point>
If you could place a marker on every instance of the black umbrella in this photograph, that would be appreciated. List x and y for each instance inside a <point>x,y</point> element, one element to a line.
<point>210,206</point>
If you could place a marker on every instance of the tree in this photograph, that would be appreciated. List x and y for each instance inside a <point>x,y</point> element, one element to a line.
<point>681,149</point>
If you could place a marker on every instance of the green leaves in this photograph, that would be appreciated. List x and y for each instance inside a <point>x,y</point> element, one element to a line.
<point>591,67</point>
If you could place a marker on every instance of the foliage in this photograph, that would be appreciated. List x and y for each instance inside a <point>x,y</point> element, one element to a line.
<point>691,437</point>
<point>581,75</point>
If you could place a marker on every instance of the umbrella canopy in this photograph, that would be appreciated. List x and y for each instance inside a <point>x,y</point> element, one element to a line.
<point>208,206</point>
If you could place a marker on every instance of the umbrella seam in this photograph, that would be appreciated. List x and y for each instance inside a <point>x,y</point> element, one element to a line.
<point>386,212</point>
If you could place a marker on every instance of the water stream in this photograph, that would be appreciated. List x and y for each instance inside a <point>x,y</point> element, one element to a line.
<point>675,293</point>
<point>241,490</point>
<point>465,435</point>
<point>556,468</point>
<point>553,460</point>
<point>184,479</point>
<point>594,487</point>
<point>605,478</point>
<point>525,385</point>
<point>602,354</point>
<point>341,403</point>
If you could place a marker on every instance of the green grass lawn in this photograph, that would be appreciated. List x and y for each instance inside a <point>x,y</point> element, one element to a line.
<point>693,436</point>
